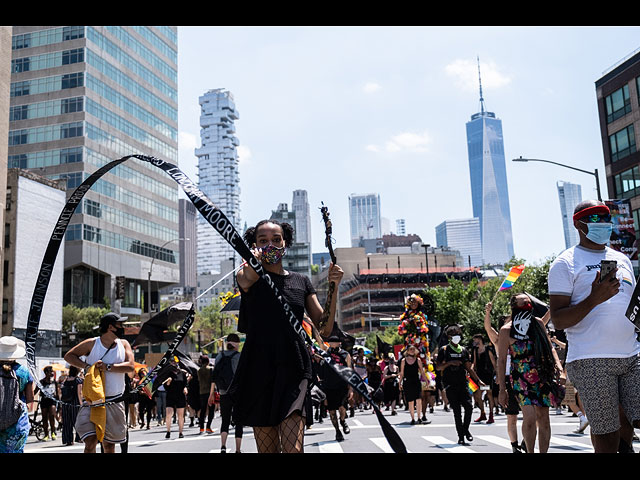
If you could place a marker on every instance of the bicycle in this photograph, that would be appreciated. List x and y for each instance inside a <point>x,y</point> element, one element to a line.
<point>37,428</point>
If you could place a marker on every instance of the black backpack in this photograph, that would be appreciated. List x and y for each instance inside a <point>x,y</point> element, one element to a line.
<point>10,404</point>
<point>222,374</point>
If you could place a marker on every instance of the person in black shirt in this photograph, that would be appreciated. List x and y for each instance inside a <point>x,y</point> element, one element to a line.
<point>275,368</point>
<point>484,364</point>
<point>337,391</point>
<point>454,362</point>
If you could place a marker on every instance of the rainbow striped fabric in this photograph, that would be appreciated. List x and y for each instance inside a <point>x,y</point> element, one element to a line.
<point>514,273</point>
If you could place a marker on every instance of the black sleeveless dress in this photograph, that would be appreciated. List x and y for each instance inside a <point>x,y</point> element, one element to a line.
<point>411,381</point>
<point>275,366</point>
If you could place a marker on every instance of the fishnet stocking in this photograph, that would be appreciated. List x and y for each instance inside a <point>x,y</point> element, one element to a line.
<point>288,437</point>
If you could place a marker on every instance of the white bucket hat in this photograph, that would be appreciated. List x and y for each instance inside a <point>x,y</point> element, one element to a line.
<point>11,348</point>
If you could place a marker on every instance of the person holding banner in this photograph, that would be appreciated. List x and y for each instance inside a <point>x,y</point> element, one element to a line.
<point>602,357</point>
<point>274,371</point>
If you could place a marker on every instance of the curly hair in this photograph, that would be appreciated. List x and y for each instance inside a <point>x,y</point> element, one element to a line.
<point>287,232</point>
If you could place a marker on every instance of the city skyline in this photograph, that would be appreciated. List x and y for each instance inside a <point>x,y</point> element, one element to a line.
<point>344,109</point>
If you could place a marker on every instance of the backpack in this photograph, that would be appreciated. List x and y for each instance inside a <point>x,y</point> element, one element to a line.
<point>10,404</point>
<point>222,374</point>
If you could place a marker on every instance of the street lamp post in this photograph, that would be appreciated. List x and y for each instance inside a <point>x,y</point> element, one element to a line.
<point>426,260</point>
<point>594,173</point>
<point>151,268</point>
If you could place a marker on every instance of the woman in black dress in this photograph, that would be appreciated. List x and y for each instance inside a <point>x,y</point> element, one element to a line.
<point>411,371</point>
<point>270,385</point>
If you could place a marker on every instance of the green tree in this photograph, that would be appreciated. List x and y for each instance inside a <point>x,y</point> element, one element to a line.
<point>82,320</point>
<point>212,324</point>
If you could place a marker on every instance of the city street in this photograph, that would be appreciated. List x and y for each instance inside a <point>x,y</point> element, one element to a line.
<point>365,437</point>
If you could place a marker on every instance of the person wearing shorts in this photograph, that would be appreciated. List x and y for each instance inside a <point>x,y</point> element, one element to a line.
<point>602,357</point>
<point>112,355</point>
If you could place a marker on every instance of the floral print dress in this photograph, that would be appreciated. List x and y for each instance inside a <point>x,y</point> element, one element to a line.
<point>14,438</point>
<point>525,380</point>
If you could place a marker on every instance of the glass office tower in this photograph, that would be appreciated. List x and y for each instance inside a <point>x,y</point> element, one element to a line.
<point>489,192</point>
<point>364,217</point>
<point>462,235</point>
<point>570,195</point>
<point>82,96</point>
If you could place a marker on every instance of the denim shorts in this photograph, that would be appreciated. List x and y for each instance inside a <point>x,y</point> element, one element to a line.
<point>603,384</point>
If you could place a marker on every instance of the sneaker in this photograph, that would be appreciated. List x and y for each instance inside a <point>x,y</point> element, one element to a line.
<point>201,431</point>
<point>469,437</point>
<point>339,437</point>
<point>515,448</point>
<point>168,435</point>
<point>393,412</point>
<point>481,418</point>
<point>180,435</point>
<point>46,439</point>
<point>223,449</point>
<point>490,420</point>
<point>584,423</point>
<point>53,436</point>
<point>461,441</point>
<point>209,431</point>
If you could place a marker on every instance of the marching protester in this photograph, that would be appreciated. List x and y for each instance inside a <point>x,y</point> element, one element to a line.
<point>226,364</point>
<point>512,408</point>
<point>109,355</point>
<point>484,364</point>
<point>48,402</point>
<point>534,369</point>
<point>454,362</point>
<point>204,382</point>
<point>71,397</point>
<point>145,404</point>
<point>391,383</point>
<point>270,385</point>
<point>411,371</point>
<point>16,396</point>
<point>336,390</point>
<point>176,387</point>
<point>590,306</point>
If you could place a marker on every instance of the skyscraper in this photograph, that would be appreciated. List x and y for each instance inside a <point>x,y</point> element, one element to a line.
<point>364,217</point>
<point>82,96</point>
<point>401,228</point>
<point>489,192</point>
<point>218,175</point>
<point>462,235</point>
<point>570,195</point>
<point>300,206</point>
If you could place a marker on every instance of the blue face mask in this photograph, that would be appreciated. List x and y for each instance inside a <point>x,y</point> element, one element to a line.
<point>599,233</point>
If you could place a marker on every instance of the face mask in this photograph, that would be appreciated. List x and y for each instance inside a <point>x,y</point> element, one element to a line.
<point>599,233</point>
<point>119,331</point>
<point>456,339</point>
<point>272,255</point>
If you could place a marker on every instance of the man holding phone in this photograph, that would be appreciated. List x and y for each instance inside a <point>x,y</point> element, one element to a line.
<point>590,287</point>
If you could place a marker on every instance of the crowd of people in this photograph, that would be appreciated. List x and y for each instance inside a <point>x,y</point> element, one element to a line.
<point>580,352</point>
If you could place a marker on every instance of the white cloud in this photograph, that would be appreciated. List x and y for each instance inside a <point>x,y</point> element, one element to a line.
<point>187,141</point>
<point>244,154</point>
<point>371,87</point>
<point>411,142</point>
<point>465,73</point>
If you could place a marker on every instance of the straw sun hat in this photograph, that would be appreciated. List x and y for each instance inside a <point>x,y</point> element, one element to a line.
<point>11,348</point>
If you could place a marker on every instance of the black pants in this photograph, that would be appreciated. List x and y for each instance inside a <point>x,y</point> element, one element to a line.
<point>226,408</point>
<point>460,398</point>
<point>204,406</point>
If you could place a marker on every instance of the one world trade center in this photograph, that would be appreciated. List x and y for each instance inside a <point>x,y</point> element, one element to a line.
<point>489,192</point>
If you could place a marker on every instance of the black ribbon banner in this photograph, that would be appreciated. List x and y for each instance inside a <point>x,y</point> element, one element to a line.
<point>218,220</point>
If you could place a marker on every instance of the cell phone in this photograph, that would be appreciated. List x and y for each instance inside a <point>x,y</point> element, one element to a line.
<point>606,267</point>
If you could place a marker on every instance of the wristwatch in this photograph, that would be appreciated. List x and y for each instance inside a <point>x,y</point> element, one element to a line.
<point>109,365</point>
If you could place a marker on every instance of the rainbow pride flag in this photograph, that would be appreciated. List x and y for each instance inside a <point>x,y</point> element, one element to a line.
<point>514,273</point>
<point>473,387</point>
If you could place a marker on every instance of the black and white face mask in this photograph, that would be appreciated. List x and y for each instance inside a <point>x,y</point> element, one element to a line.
<point>521,320</point>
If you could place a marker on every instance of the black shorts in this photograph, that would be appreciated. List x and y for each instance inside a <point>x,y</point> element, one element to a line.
<point>513,407</point>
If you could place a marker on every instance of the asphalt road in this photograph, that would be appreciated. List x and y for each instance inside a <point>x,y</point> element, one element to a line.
<point>366,437</point>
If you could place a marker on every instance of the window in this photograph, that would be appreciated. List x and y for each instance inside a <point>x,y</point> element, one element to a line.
<point>618,104</point>
<point>627,183</point>
<point>622,143</point>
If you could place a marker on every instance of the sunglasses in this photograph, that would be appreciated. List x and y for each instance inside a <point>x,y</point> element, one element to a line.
<point>597,218</point>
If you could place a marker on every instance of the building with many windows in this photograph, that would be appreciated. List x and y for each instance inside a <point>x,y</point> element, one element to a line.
<point>570,195</point>
<point>298,255</point>
<point>618,98</point>
<point>364,217</point>
<point>462,235</point>
<point>218,176</point>
<point>82,96</point>
<point>489,190</point>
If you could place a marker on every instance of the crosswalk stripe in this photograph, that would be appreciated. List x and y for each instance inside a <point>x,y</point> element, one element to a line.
<point>330,447</point>
<point>502,442</point>
<point>445,444</point>
<point>570,443</point>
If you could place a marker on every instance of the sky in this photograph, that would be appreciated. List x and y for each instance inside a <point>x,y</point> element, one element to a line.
<point>342,110</point>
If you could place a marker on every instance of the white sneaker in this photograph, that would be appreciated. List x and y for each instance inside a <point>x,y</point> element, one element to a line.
<point>584,423</point>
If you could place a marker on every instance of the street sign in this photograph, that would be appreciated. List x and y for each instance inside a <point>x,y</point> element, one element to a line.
<point>389,323</point>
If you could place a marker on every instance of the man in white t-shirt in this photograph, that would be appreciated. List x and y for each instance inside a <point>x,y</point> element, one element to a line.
<point>602,358</point>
